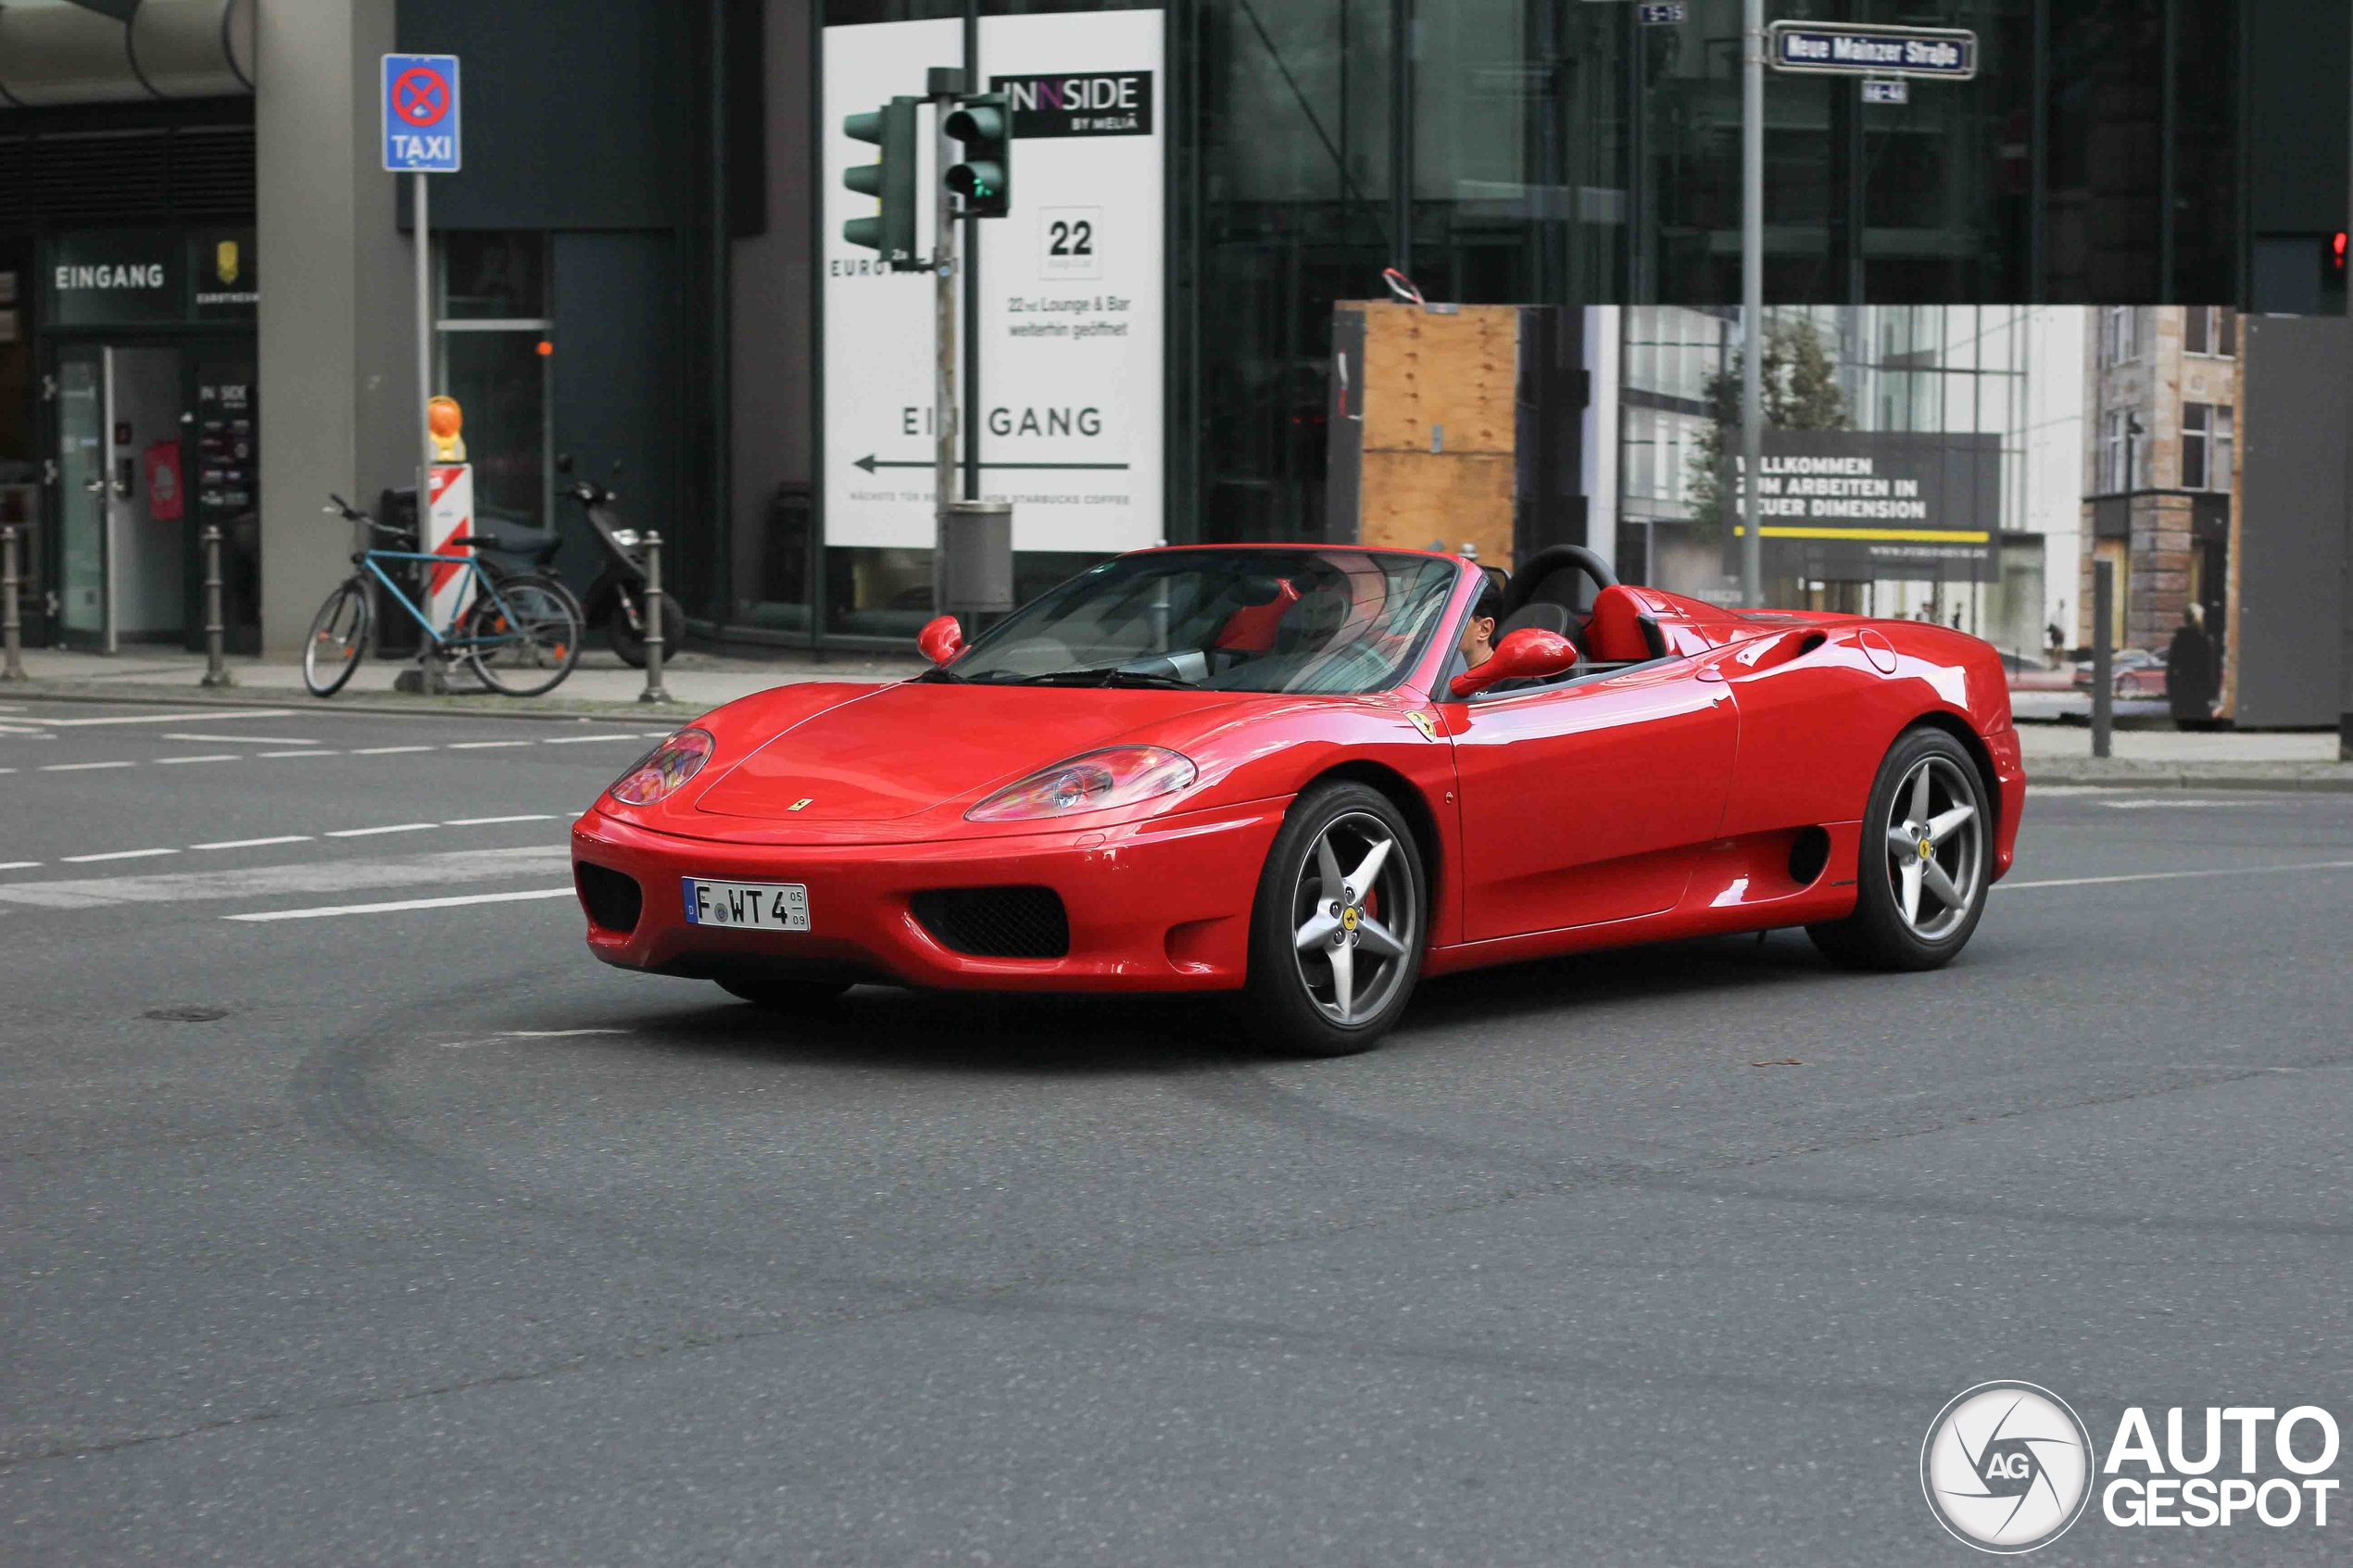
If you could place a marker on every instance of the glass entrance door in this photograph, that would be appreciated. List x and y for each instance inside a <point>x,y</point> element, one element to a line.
<point>120,502</point>
<point>81,498</point>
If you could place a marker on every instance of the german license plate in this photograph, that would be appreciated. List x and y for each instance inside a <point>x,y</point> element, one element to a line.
<point>757,906</point>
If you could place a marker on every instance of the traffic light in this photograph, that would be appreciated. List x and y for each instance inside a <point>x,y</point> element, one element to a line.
<point>984,124</point>
<point>890,181</point>
<point>2333,261</point>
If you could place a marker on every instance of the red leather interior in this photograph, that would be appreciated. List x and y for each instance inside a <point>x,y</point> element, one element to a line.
<point>1252,628</point>
<point>1613,632</point>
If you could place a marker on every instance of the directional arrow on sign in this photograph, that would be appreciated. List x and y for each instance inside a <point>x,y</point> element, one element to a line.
<point>870,463</point>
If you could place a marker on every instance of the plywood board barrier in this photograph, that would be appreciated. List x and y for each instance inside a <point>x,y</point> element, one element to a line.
<point>1424,446</point>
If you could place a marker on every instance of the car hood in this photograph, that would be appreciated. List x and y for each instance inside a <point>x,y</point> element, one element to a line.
<point>905,750</point>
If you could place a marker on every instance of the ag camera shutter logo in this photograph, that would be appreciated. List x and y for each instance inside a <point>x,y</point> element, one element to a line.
<point>2007,1467</point>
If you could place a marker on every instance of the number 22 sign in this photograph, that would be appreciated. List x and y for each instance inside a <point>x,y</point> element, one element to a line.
<point>1069,242</point>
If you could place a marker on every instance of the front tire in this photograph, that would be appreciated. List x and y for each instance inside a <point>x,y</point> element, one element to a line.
<point>1927,860</point>
<point>1338,928</point>
<point>338,640</point>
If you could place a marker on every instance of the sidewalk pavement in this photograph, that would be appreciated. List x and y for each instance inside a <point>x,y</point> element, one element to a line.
<point>603,686</point>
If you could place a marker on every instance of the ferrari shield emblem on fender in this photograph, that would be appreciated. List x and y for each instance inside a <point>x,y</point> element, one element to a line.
<point>1423,722</point>
<point>797,804</point>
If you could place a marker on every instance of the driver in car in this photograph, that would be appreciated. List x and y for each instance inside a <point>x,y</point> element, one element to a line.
<point>1477,644</point>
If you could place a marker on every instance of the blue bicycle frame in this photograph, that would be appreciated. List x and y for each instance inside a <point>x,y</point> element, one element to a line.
<point>483,581</point>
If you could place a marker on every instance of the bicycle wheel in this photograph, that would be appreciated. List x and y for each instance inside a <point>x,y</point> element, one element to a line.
<point>338,640</point>
<point>525,637</point>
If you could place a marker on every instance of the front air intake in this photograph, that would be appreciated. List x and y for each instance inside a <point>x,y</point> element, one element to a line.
<point>996,923</point>
<point>613,898</point>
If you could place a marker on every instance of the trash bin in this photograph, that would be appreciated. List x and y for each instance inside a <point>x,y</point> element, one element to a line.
<point>978,578</point>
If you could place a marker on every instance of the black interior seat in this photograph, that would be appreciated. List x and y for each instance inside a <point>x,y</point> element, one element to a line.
<point>1543,614</point>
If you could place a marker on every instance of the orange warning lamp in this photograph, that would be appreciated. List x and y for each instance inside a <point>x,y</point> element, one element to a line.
<point>446,421</point>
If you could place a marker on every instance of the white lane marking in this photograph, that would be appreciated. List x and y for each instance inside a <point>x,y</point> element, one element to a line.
<point>209,757</point>
<point>392,827</point>
<point>26,732</point>
<point>244,740</point>
<point>2175,877</point>
<point>213,717</point>
<point>253,843</point>
<point>582,740</point>
<point>483,745</point>
<point>2178,805</point>
<point>18,865</point>
<point>315,876</point>
<point>81,767</point>
<point>298,754</point>
<point>529,1034</point>
<point>491,822</point>
<point>388,750</point>
<point>395,906</point>
<point>115,854</point>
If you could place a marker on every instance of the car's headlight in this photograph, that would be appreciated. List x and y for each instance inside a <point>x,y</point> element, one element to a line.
<point>665,769</point>
<point>1094,780</point>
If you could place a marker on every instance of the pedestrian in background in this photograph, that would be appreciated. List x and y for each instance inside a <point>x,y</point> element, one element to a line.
<point>2189,670</point>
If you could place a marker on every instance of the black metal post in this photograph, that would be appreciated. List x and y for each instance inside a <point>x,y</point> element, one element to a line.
<point>215,662</point>
<point>654,690</point>
<point>2103,656</point>
<point>11,629</point>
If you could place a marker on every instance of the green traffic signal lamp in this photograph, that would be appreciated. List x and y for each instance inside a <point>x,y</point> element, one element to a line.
<point>891,181</point>
<point>984,124</point>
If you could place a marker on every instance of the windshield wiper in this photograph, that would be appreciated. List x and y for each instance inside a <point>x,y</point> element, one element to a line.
<point>1111,676</point>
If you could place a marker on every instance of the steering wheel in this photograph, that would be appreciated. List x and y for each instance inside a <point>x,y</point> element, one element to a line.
<point>1543,563</point>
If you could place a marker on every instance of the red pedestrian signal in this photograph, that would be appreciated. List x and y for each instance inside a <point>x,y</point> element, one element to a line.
<point>2332,261</point>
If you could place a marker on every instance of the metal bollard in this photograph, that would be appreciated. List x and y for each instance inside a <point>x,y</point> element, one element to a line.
<point>216,660</point>
<point>11,629</point>
<point>654,690</point>
<point>2103,657</point>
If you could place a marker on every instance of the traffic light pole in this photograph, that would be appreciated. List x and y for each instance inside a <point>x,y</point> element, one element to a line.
<point>944,85</point>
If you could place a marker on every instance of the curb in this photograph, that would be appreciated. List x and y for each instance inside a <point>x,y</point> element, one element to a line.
<point>2327,778</point>
<point>463,705</point>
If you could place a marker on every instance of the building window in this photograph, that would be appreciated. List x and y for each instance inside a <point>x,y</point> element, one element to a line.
<point>2119,335</point>
<point>2114,479</point>
<point>2210,330</point>
<point>2206,446</point>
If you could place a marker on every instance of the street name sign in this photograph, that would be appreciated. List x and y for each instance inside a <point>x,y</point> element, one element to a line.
<point>1936,54</point>
<point>421,114</point>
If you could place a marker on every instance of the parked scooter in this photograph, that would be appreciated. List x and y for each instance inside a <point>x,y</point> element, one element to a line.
<point>616,600</point>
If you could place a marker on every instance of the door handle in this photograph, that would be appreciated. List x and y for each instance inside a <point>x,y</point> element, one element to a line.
<point>96,487</point>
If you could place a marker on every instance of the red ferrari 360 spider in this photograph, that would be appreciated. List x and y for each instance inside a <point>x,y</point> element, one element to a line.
<point>1268,770</point>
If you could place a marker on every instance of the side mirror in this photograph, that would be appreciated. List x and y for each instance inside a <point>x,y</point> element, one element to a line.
<point>1529,654</point>
<point>940,640</point>
<point>563,462</point>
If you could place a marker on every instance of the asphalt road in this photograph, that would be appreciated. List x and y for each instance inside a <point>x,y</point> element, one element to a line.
<point>419,1237</point>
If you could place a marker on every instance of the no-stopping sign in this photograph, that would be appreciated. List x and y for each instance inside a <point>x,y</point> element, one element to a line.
<point>420,113</point>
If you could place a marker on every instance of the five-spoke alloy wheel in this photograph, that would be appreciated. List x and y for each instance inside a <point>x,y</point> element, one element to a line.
<point>1926,861</point>
<point>1338,926</point>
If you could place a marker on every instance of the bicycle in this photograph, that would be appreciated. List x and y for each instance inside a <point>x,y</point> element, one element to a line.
<point>513,629</point>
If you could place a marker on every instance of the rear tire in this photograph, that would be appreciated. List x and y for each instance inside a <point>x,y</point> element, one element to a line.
<point>630,644</point>
<point>539,632</point>
<point>1338,928</point>
<point>783,996</point>
<point>338,640</point>
<point>1926,861</point>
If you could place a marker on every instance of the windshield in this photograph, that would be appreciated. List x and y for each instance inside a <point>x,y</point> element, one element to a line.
<point>1331,620</point>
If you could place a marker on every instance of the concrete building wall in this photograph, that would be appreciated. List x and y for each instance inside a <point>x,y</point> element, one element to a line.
<point>338,363</point>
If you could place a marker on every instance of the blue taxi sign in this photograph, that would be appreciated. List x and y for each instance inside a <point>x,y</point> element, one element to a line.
<point>421,114</point>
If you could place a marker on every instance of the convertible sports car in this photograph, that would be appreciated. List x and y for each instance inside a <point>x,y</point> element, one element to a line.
<point>1269,770</point>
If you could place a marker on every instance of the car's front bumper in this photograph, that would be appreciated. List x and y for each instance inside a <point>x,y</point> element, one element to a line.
<point>1162,905</point>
